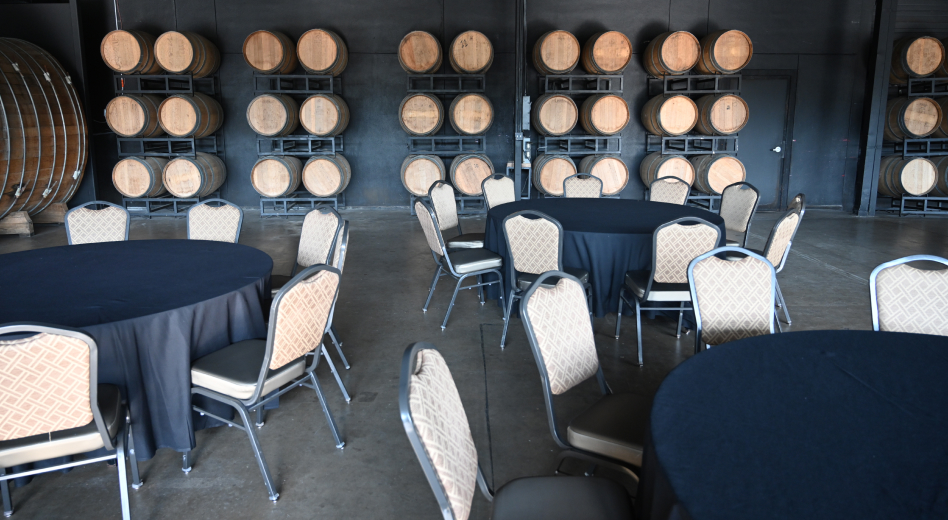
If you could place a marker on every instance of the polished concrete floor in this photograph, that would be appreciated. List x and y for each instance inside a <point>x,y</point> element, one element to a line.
<point>379,313</point>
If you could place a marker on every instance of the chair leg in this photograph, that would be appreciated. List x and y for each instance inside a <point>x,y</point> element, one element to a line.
<point>451,305</point>
<point>186,461</point>
<point>322,402</point>
<point>786,311</point>
<point>5,491</point>
<point>510,302</point>
<point>638,327</point>
<point>619,314</point>
<point>480,290</point>
<point>681,314</point>
<point>335,373</point>
<point>777,321</point>
<point>132,456</point>
<point>259,422</point>
<point>257,452</point>
<point>122,476</point>
<point>338,345</point>
<point>434,283</point>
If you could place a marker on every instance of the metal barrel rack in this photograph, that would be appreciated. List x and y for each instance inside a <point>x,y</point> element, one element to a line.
<point>163,205</point>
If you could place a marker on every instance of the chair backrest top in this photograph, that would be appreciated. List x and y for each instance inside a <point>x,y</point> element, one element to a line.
<point>738,204</point>
<point>85,225</point>
<point>535,244</point>
<point>300,315</point>
<point>218,223</point>
<point>670,190</point>
<point>675,244</point>
<point>908,299</point>
<point>442,199</point>
<point>498,189</point>
<point>318,236</point>
<point>429,224</point>
<point>781,236</point>
<point>798,203</point>
<point>582,186</point>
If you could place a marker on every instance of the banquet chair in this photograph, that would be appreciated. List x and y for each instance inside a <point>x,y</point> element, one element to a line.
<point>458,264</point>
<point>536,246</point>
<point>446,209</point>
<point>218,223</point>
<point>339,261</point>
<point>320,233</point>
<point>733,298</point>
<point>671,190</point>
<point>498,189</point>
<point>53,406</point>
<point>249,374</point>
<point>908,299</point>
<point>582,186</point>
<point>674,245</point>
<point>738,205</point>
<point>440,435</point>
<point>85,225</point>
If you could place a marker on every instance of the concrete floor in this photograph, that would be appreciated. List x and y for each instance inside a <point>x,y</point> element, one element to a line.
<point>379,313</point>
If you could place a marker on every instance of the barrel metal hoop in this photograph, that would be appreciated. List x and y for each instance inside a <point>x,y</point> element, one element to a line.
<point>16,67</point>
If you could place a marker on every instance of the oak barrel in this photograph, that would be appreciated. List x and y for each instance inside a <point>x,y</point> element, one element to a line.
<point>915,58</point>
<point>471,114</point>
<point>604,114</point>
<point>671,54</point>
<point>898,176</point>
<point>721,114</point>
<point>421,114</point>
<point>129,52</point>
<point>607,53</point>
<point>610,169</point>
<point>942,130</point>
<point>322,52</point>
<point>419,53</point>
<point>134,115</point>
<point>273,114</point>
<point>190,115</point>
<point>43,135</point>
<point>911,118</point>
<point>419,172</point>
<point>669,115</point>
<point>324,115</point>
<point>715,172</point>
<point>549,172</point>
<point>941,176</point>
<point>187,53</point>
<point>326,175</point>
<point>555,114</point>
<point>139,176</point>
<point>470,53</point>
<point>276,176</point>
<point>656,166</point>
<point>556,52</point>
<point>725,52</point>
<point>468,171</point>
<point>197,176</point>
<point>270,52</point>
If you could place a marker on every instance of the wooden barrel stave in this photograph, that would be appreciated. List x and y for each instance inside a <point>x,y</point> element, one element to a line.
<point>656,166</point>
<point>555,114</point>
<point>604,114</point>
<point>276,176</point>
<point>197,176</point>
<point>321,51</point>
<point>419,172</point>
<point>671,54</point>
<point>724,52</point>
<point>912,118</point>
<point>715,172</point>
<point>669,115</point>
<point>610,169</point>
<point>421,114</point>
<point>941,176</point>
<point>900,176</point>
<point>134,115</point>
<point>419,52</point>
<point>187,53</point>
<point>270,52</point>
<point>129,52</point>
<point>324,115</point>
<point>942,130</point>
<point>606,53</point>
<point>326,175</point>
<point>273,114</point>
<point>140,176</point>
<point>470,53</point>
<point>471,114</point>
<point>556,52</point>
<point>190,115</point>
<point>915,57</point>
<point>468,171</point>
<point>549,172</point>
<point>721,114</point>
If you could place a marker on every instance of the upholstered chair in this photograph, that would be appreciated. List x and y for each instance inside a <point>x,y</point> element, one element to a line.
<point>582,186</point>
<point>738,205</point>
<point>87,225</point>
<point>777,249</point>
<point>498,189</point>
<point>446,209</point>
<point>670,190</point>
<point>320,233</point>
<point>220,223</point>
<point>908,299</point>
<point>339,261</point>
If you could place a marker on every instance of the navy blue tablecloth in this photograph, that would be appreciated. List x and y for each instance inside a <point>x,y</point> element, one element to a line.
<point>804,425</point>
<point>152,307</point>
<point>607,237</point>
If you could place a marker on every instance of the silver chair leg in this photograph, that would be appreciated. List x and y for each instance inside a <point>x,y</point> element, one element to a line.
<point>259,422</point>
<point>681,314</point>
<point>434,283</point>
<point>638,327</point>
<point>322,402</point>
<point>451,305</point>
<point>777,321</point>
<point>5,491</point>
<point>783,303</point>
<point>619,314</point>
<point>335,373</point>
<point>186,461</point>
<point>510,302</point>
<point>338,345</point>
<point>480,290</point>
<point>132,456</point>
<point>258,452</point>
<point>122,476</point>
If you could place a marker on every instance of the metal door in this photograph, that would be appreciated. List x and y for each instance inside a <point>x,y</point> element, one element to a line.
<point>763,145</point>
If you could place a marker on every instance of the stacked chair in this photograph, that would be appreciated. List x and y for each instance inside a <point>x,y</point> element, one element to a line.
<point>738,205</point>
<point>216,220</point>
<point>498,189</point>
<point>87,225</point>
<point>908,299</point>
<point>582,186</point>
<point>670,190</point>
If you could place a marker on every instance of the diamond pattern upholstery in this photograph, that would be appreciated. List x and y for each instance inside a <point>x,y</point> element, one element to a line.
<point>912,300</point>
<point>88,226</point>
<point>317,236</point>
<point>670,190</point>
<point>735,298</point>
<point>582,187</point>
<point>677,245</point>
<point>44,385</point>
<point>442,426</point>
<point>737,207</point>
<point>429,227</point>
<point>534,244</point>
<point>442,199</point>
<point>220,224</point>
<point>780,239</point>
<point>498,191</point>
<point>302,316</point>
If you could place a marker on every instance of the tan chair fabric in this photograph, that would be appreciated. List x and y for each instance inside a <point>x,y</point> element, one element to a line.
<point>669,190</point>
<point>913,300</point>
<point>442,426</point>
<point>442,199</point>
<point>302,316</point>
<point>780,239</point>
<point>734,298</point>
<point>737,207</point>
<point>499,191</point>
<point>588,187</point>
<point>220,224</point>
<point>677,245</point>
<point>429,227</point>
<point>88,226</point>
<point>534,244</point>
<point>559,317</point>
<point>317,236</point>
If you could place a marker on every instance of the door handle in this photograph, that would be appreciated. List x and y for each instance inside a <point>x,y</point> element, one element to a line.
<point>777,149</point>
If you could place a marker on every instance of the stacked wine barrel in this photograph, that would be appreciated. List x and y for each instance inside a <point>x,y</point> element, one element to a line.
<point>917,57</point>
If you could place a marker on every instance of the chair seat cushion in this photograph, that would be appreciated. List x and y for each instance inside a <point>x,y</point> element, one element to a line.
<point>566,498</point>
<point>525,280</point>
<point>472,260</point>
<point>637,282</point>
<point>613,427</point>
<point>466,241</point>
<point>277,281</point>
<point>67,442</point>
<point>233,370</point>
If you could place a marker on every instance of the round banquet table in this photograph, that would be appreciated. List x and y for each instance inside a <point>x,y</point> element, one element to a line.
<point>820,424</point>
<point>152,307</point>
<point>607,237</point>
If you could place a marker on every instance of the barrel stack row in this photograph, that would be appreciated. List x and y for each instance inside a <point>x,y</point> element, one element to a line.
<point>138,52</point>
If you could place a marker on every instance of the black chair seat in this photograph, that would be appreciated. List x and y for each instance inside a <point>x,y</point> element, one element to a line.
<point>466,241</point>
<point>614,427</point>
<point>566,498</point>
<point>472,260</point>
<point>525,280</point>
<point>637,282</point>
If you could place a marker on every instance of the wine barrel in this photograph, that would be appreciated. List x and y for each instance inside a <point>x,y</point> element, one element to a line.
<point>671,54</point>
<point>670,115</point>
<point>190,115</point>
<point>139,176</point>
<point>724,52</point>
<point>610,169</point>
<point>915,58</point>
<point>655,166</point>
<point>322,52</point>
<point>604,114</point>
<point>421,114</point>
<point>942,130</point>
<point>721,114</point>
<point>549,172</point>
<point>471,114</point>
<point>911,118</point>
<point>129,52</point>
<point>715,172</point>
<point>324,115</point>
<point>470,53</point>
<point>914,177</point>
<point>197,176</point>
<point>43,135</point>
<point>942,70</point>
<point>326,175</point>
<point>607,53</point>
<point>555,114</point>
<point>468,171</point>
<point>941,176</point>
<point>273,114</point>
<point>276,176</point>
<point>419,53</point>
<point>270,52</point>
<point>419,172</point>
<point>187,53</point>
<point>134,115</point>
<point>556,52</point>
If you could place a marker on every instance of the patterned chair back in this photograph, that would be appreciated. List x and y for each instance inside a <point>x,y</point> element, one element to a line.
<point>321,228</point>
<point>342,245</point>
<point>738,204</point>
<point>429,224</point>
<point>218,224</point>
<point>798,203</point>
<point>733,299</point>
<point>908,299</point>
<point>498,189</point>
<point>300,315</point>
<point>778,243</point>
<point>675,244</point>
<point>85,225</point>
<point>535,244</point>
<point>582,186</point>
<point>442,200</point>
<point>670,190</point>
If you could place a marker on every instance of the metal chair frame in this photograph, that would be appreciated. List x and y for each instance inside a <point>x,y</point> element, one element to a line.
<point>322,208</point>
<point>495,177</point>
<point>582,176</point>
<point>780,301</point>
<point>873,295</point>
<point>128,217</point>
<point>670,178</point>
<point>240,221</point>
<point>753,212</point>
<point>343,247</point>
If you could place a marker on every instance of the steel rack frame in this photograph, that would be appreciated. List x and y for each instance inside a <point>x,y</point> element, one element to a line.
<point>580,144</point>
<point>704,201</point>
<point>163,205</point>
<point>298,203</point>
<point>929,87</point>
<point>928,147</point>
<point>303,145</point>
<point>446,83</point>
<point>925,206</point>
<point>526,183</point>
<point>570,84</point>
<point>477,209</point>
<point>447,145</point>
<point>165,84</point>
<point>691,144</point>
<point>296,84</point>
<point>695,84</point>
<point>164,146</point>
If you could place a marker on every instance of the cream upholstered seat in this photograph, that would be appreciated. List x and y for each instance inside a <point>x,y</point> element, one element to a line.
<point>233,371</point>
<point>440,435</point>
<point>446,209</point>
<point>582,186</point>
<point>670,190</point>
<point>320,233</point>
<point>498,189</point>
<point>738,205</point>
<point>86,225</point>
<point>908,299</point>
<point>216,223</point>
